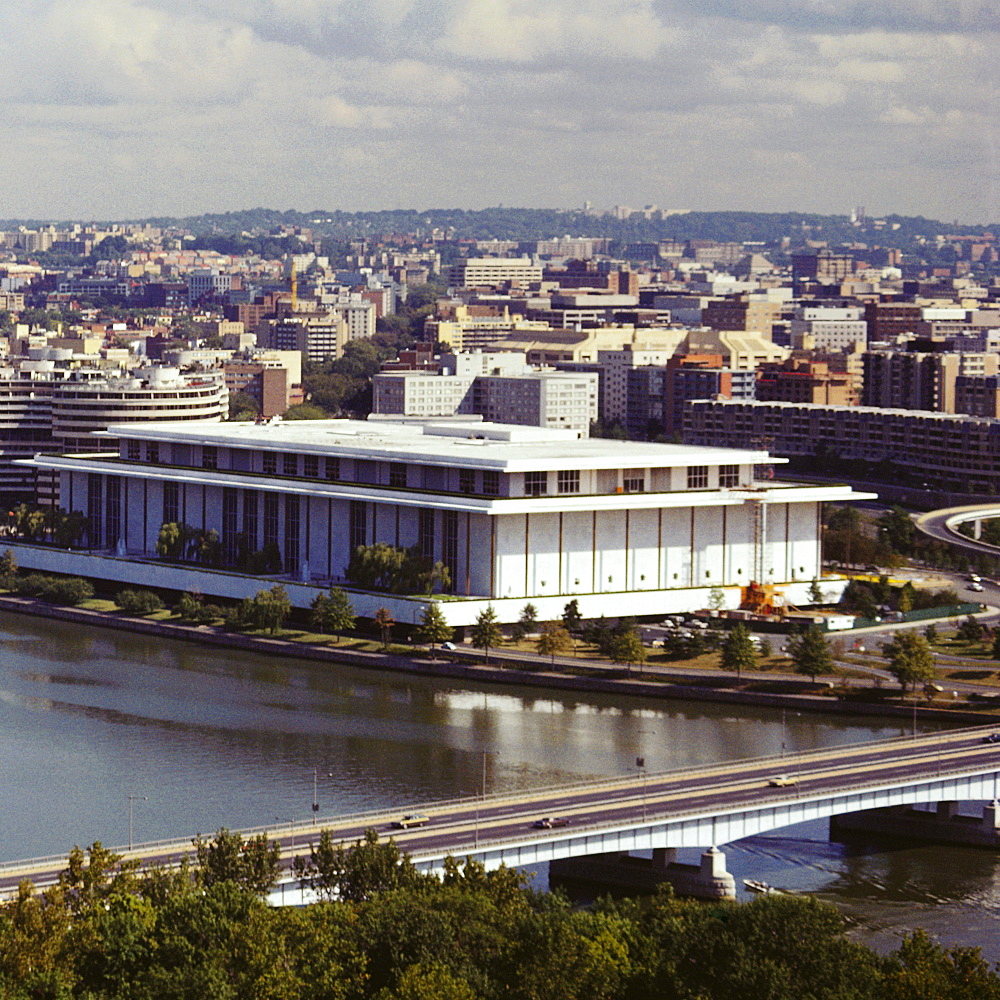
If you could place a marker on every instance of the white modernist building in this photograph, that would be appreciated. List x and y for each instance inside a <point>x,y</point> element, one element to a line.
<point>517,513</point>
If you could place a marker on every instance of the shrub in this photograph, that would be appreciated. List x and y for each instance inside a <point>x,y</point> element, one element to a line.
<point>138,602</point>
<point>56,589</point>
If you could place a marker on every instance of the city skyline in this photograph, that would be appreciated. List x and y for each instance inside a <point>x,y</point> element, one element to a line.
<point>139,108</point>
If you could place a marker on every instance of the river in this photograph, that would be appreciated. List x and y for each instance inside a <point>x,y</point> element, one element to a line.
<point>202,738</point>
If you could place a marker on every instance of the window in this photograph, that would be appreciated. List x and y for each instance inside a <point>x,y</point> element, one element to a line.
<point>729,476</point>
<point>209,457</point>
<point>633,484</point>
<point>95,504</point>
<point>230,529</point>
<point>466,481</point>
<point>290,464</point>
<point>535,484</point>
<point>449,543</point>
<point>569,481</point>
<point>171,503</point>
<point>359,524</point>
<point>132,451</point>
<point>397,475</point>
<point>269,460</point>
<point>491,483</point>
<point>425,533</point>
<point>113,511</point>
<point>310,466</point>
<point>153,452</point>
<point>292,521</point>
<point>250,520</point>
<point>270,520</point>
<point>333,468</point>
<point>697,477</point>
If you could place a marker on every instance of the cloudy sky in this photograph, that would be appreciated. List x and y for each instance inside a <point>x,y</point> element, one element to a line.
<point>130,108</point>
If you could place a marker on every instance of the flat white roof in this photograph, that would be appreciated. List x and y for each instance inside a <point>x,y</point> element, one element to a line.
<point>509,447</point>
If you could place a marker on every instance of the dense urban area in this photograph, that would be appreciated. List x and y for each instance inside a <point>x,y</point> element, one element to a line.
<point>630,440</point>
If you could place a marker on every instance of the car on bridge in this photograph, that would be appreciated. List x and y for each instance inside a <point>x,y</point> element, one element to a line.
<point>992,738</point>
<point>410,820</point>
<point>550,822</point>
<point>782,781</point>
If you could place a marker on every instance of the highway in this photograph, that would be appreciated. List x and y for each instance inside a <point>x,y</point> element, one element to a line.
<point>459,827</point>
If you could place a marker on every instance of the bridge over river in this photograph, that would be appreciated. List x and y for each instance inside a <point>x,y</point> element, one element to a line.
<point>701,807</point>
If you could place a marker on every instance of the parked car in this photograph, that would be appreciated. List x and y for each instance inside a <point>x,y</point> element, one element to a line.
<point>550,822</point>
<point>975,578</point>
<point>410,820</point>
<point>977,587</point>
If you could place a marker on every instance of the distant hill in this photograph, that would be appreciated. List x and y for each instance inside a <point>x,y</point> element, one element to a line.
<point>528,224</point>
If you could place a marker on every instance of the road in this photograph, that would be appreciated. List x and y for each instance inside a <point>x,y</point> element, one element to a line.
<point>459,827</point>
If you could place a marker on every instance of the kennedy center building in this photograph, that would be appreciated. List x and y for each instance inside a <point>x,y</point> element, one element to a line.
<point>518,514</point>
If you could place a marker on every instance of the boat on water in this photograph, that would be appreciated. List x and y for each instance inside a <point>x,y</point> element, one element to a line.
<point>755,885</point>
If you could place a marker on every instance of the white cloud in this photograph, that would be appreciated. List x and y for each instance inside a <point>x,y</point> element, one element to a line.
<point>154,106</point>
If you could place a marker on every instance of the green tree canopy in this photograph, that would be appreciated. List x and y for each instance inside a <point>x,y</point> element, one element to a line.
<point>910,659</point>
<point>486,632</point>
<point>433,627</point>
<point>553,638</point>
<point>737,653</point>
<point>810,653</point>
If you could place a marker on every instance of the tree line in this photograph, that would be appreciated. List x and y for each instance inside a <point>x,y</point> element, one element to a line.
<point>381,930</point>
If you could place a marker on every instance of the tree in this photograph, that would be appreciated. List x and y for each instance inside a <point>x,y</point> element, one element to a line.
<point>716,598</point>
<point>931,633</point>
<point>486,631</point>
<point>270,608</point>
<point>907,596</point>
<point>970,630</point>
<point>359,872</point>
<point>810,653</point>
<point>433,627</point>
<point>896,530</point>
<point>815,592</point>
<point>332,611</point>
<point>571,616</point>
<point>243,406</point>
<point>738,653</point>
<point>524,624</point>
<point>910,659</point>
<point>252,864</point>
<point>385,622</point>
<point>553,638</point>
<point>626,646</point>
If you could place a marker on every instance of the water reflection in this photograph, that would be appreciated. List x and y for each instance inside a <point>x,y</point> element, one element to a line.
<point>217,739</point>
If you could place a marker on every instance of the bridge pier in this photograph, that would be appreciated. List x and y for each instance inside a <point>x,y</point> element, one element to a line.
<point>943,826</point>
<point>706,880</point>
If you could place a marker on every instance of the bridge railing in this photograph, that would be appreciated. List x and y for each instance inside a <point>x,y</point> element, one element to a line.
<point>183,846</point>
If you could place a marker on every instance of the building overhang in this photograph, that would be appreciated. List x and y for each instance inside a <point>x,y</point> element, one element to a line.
<point>777,493</point>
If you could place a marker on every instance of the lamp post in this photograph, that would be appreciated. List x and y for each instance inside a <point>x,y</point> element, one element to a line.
<point>315,801</point>
<point>640,762</point>
<point>132,799</point>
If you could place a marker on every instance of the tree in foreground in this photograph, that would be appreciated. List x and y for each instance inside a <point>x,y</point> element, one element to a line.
<point>624,645</point>
<point>738,653</point>
<point>433,628</point>
<point>485,633</point>
<point>333,612</point>
<point>357,872</point>
<point>810,653</point>
<point>385,622</point>
<point>571,617</point>
<point>553,639</point>
<point>910,659</point>
<point>253,864</point>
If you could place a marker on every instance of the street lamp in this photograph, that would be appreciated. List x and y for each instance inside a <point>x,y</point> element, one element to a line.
<point>640,762</point>
<point>315,802</point>
<point>131,799</point>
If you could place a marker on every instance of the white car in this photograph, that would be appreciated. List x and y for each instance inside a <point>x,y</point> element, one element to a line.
<point>977,587</point>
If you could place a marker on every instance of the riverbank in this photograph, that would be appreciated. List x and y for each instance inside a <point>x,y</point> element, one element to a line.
<point>504,668</point>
